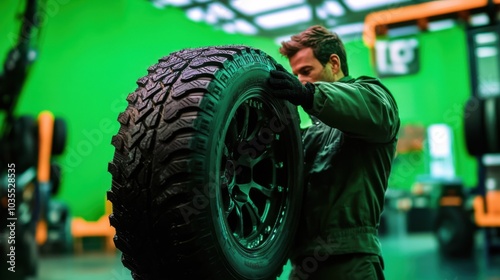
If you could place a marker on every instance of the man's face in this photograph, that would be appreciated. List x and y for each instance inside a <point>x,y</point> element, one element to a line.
<point>308,68</point>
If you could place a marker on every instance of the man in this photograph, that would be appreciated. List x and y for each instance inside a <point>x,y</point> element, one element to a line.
<point>348,152</point>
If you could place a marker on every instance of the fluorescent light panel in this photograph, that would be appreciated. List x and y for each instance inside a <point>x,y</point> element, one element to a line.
<point>441,24</point>
<point>486,38</point>
<point>244,27</point>
<point>163,3</point>
<point>360,5</point>
<point>483,52</point>
<point>479,19</point>
<point>284,17</point>
<point>220,11</point>
<point>252,7</point>
<point>329,9</point>
<point>241,26</point>
<point>196,14</point>
<point>349,28</point>
<point>333,8</point>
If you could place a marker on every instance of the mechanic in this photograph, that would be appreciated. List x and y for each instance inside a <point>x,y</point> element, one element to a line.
<point>348,152</point>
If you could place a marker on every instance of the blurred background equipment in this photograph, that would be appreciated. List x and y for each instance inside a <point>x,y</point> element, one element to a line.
<point>29,176</point>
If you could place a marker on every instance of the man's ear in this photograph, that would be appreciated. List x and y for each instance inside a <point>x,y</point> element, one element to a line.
<point>335,62</point>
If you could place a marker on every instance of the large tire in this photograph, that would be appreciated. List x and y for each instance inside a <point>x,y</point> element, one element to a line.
<point>23,143</point>
<point>207,170</point>
<point>454,232</point>
<point>60,135</point>
<point>474,127</point>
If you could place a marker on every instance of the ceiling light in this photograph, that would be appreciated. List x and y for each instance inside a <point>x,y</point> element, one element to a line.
<point>349,29</point>
<point>486,38</point>
<point>196,14</point>
<point>229,27</point>
<point>252,7</point>
<point>321,13</point>
<point>333,8</point>
<point>441,24</point>
<point>403,31</point>
<point>483,52</point>
<point>163,3</point>
<point>479,19</point>
<point>211,18</point>
<point>284,17</point>
<point>359,5</point>
<point>244,27</point>
<point>220,11</point>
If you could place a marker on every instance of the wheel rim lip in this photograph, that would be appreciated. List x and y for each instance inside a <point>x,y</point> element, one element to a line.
<point>256,240</point>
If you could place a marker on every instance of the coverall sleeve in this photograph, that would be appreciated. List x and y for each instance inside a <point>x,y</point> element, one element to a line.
<point>361,110</point>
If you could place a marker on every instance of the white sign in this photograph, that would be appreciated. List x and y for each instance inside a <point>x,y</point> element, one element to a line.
<point>397,57</point>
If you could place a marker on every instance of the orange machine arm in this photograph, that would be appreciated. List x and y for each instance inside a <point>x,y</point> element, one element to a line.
<point>46,129</point>
<point>45,134</point>
<point>381,19</point>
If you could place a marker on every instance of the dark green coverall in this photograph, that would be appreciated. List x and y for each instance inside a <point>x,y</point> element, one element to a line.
<point>348,155</point>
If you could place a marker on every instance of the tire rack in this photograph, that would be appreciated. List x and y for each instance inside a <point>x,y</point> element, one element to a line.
<point>489,159</point>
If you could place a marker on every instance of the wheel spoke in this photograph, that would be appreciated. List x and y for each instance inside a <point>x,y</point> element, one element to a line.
<point>240,221</point>
<point>230,207</point>
<point>260,122</point>
<point>267,154</point>
<point>255,217</point>
<point>262,189</point>
<point>232,136</point>
<point>243,133</point>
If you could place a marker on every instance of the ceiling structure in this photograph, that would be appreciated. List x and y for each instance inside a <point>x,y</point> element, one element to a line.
<point>279,19</point>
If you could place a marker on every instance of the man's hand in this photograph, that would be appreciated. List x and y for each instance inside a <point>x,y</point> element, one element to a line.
<point>287,86</point>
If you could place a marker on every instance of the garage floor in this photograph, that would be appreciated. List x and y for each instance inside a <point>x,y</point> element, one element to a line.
<point>409,257</point>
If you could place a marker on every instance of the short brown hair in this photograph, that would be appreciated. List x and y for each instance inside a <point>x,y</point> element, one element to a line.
<point>323,43</point>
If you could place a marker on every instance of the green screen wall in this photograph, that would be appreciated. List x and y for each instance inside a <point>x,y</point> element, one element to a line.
<point>92,52</point>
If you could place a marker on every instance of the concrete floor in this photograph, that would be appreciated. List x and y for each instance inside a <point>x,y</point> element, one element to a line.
<point>407,257</point>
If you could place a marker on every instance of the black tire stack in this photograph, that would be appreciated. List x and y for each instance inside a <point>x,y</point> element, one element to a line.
<point>482,125</point>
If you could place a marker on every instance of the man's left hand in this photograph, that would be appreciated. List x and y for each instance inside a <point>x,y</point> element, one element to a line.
<point>287,86</point>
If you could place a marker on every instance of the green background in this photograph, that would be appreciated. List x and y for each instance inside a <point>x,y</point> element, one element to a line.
<point>92,52</point>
